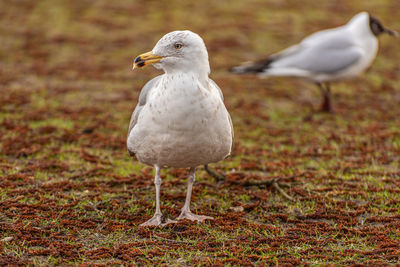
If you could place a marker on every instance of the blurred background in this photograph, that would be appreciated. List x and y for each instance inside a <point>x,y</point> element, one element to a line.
<point>67,64</point>
<point>78,55</point>
<point>67,91</point>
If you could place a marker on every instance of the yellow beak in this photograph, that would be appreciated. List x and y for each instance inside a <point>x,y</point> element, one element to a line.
<point>146,59</point>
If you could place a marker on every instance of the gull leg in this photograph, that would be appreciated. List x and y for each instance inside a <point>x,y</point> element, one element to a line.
<point>186,213</point>
<point>158,219</point>
<point>326,94</point>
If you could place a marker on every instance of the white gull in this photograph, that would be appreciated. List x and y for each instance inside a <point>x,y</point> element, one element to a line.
<point>180,120</point>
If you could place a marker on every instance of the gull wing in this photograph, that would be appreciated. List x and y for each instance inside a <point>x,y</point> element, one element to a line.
<point>320,59</point>
<point>212,83</point>
<point>142,101</point>
<point>328,51</point>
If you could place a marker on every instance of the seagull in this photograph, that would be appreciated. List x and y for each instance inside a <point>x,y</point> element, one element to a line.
<point>181,120</point>
<point>326,56</point>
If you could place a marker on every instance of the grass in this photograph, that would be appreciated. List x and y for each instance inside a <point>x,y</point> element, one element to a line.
<point>70,193</point>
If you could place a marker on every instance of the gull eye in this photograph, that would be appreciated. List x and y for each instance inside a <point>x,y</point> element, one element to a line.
<point>178,45</point>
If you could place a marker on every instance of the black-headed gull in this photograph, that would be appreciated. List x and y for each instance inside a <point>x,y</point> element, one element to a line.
<point>326,56</point>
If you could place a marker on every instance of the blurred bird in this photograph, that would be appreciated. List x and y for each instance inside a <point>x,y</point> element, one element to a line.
<point>180,120</point>
<point>326,56</point>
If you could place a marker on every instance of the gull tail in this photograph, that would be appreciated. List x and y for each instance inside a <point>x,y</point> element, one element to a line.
<point>259,67</point>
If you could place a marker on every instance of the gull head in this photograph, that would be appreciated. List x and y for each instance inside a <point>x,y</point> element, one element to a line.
<point>377,28</point>
<point>177,51</point>
<point>365,20</point>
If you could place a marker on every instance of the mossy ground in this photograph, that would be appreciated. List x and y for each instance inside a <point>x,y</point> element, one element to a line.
<point>70,194</point>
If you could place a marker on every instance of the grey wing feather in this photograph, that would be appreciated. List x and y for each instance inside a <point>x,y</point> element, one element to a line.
<point>233,134</point>
<point>321,59</point>
<point>229,116</point>
<point>319,53</point>
<point>142,101</point>
<point>328,51</point>
<point>339,38</point>
<point>219,89</point>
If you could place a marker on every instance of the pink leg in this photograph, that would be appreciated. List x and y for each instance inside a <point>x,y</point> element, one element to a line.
<point>186,213</point>
<point>157,218</point>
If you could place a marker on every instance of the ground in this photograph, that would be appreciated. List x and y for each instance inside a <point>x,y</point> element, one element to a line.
<point>71,194</point>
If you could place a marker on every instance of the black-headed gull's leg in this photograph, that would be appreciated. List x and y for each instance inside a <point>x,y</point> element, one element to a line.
<point>326,94</point>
